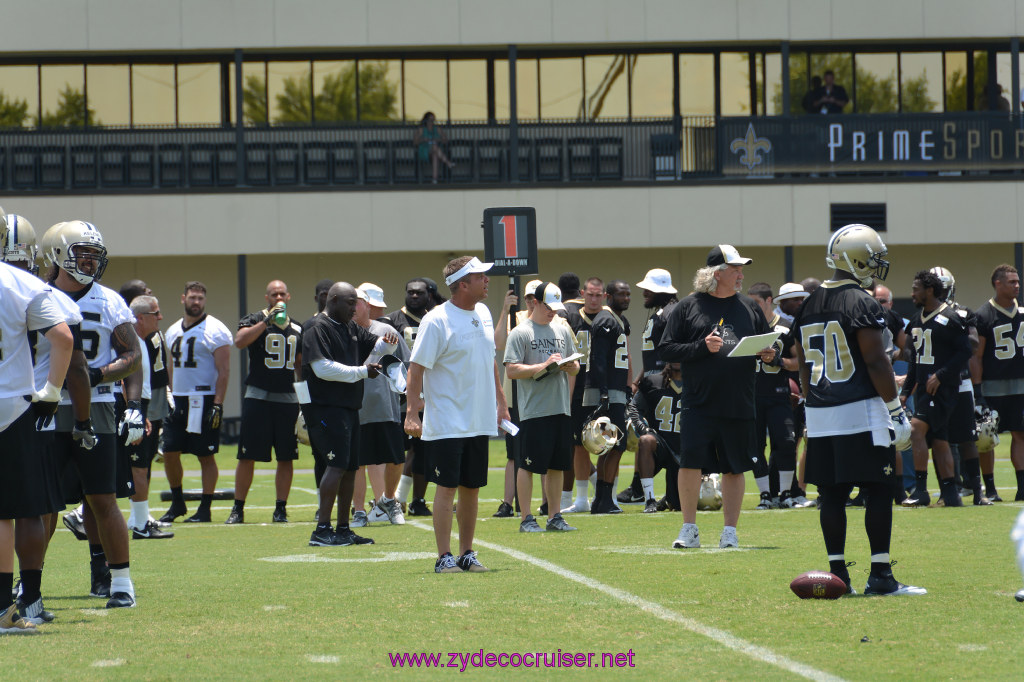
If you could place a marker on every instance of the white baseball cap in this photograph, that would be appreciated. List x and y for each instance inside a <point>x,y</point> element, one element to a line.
<point>374,294</point>
<point>474,265</point>
<point>550,295</point>
<point>791,290</point>
<point>726,254</point>
<point>659,281</point>
<point>531,287</point>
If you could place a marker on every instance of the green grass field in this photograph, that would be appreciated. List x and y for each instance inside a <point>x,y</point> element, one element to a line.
<point>256,602</point>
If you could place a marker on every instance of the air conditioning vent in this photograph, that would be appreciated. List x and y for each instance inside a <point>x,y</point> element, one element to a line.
<point>872,215</point>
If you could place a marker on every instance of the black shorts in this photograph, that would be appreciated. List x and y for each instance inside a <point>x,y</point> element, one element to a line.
<point>455,462</point>
<point>175,437</point>
<point>775,422</point>
<point>51,470</point>
<point>142,455</point>
<point>962,426</point>
<point>849,459</point>
<point>545,443</point>
<point>267,425</point>
<point>935,410</point>
<point>381,443</point>
<point>716,445</point>
<point>414,446</point>
<point>512,443</point>
<point>125,482</point>
<point>1011,411</point>
<point>92,472</point>
<point>580,415</point>
<point>22,470</point>
<point>335,431</point>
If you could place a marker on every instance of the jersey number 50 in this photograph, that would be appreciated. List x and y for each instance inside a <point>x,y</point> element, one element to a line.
<point>829,357</point>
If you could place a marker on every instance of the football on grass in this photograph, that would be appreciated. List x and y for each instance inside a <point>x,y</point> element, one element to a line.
<point>818,585</point>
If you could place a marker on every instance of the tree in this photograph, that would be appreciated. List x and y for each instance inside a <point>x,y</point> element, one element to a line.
<point>13,112</point>
<point>71,111</point>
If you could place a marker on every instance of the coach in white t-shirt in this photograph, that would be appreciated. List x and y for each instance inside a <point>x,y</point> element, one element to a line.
<point>462,402</point>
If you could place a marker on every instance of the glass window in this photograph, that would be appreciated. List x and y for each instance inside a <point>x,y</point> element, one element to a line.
<point>769,74</point>
<point>526,90</point>
<point>607,87</point>
<point>153,94</point>
<point>63,96</point>
<point>254,92</point>
<point>108,95</point>
<point>800,86</point>
<point>290,92</point>
<point>697,84</point>
<point>334,89</point>
<point>921,81</point>
<point>1004,81</point>
<point>380,91</point>
<point>19,97</point>
<point>652,86</point>
<point>841,65</point>
<point>735,69</point>
<point>876,84</point>
<point>956,81</point>
<point>467,85</point>
<point>561,88</point>
<point>426,89</point>
<point>199,94</point>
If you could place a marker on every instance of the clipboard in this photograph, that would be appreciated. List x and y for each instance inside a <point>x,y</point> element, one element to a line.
<point>752,345</point>
<point>556,366</point>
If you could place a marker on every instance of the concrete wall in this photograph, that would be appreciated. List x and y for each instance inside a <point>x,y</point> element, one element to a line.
<point>53,26</point>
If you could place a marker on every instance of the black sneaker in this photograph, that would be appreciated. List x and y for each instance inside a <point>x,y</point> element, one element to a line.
<point>447,564</point>
<point>35,613</point>
<point>630,495</point>
<point>1019,497</point>
<point>280,516</point>
<point>504,511</point>
<point>323,537</point>
<point>887,585</point>
<point>236,516</point>
<point>994,497</point>
<point>101,586</point>
<point>980,500</point>
<point>121,600</point>
<point>150,532</point>
<point>1019,596</point>
<point>469,563</point>
<point>844,575</point>
<point>542,510</point>
<point>346,537</point>
<point>418,507</point>
<point>918,499</point>
<point>74,523</point>
<point>173,513</point>
<point>951,499</point>
<point>199,517</point>
<point>651,507</point>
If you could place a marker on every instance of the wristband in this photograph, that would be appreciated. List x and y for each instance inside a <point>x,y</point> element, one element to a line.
<point>134,405</point>
<point>894,405</point>
<point>95,376</point>
<point>83,425</point>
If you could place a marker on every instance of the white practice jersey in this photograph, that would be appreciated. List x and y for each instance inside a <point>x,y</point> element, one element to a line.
<point>191,353</point>
<point>102,311</point>
<point>25,304</point>
<point>41,345</point>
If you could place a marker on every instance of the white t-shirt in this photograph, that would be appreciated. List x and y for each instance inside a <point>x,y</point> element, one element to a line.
<point>456,347</point>
<point>69,309</point>
<point>25,304</point>
<point>191,355</point>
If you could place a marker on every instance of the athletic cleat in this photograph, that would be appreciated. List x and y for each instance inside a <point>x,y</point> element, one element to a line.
<point>557,523</point>
<point>171,514</point>
<point>74,523</point>
<point>689,537</point>
<point>35,613</point>
<point>418,507</point>
<point>542,510</point>
<point>504,511</point>
<point>1019,497</point>
<point>577,507</point>
<point>469,563</point>
<point>1019,596</point>
<point>121,600</point>
<point>159,524</point>
<point>952,500</point>
<point>11,623</point>
<point>918,499</point>
<point>530,525</point>
<point>982,501</point>
<point>280,516</point>
<point>100,587</point>
<point>376,514</point>
<point>604,505</point>
<point>199,517</point>
<point>323,537</point>
<point>392,511</point>
<point>844,575</point>
<point>651,507</point>
<point>728,539</point>
<point>359,519</point>
<point>887,585</point>
<point>786,501</point>
<point>150,532</point>
<point>236,516</point>
<point>766,502</point>
<point>446,563</point>
<point>630,496</point>
<point>16,590</point>
<point>994,497</point>
<point>346,537</point>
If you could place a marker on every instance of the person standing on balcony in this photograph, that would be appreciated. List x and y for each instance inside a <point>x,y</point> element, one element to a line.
<point>830,98</point>
<point>428,140</point>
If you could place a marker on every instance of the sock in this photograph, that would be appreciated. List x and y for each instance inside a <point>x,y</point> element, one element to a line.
<point>31,579</point>
<point>990,484</point>
<point>204,504</point>
<point>1020,481</point>
<point>832,517</point>
<point>972,474</point>
<point>762,485</point>
<point>342,525</point>
<point>120,580</point>
<point>947,486</point>
<point>97,559</point>
<point>140,514</point>
<point>404,486</point>
<point>637,484</point>
<point>922,482</point>
<point>729,527</point>
<point>239,505</point>
<point>880,565</point>
<point>581,491</point>
<point>177,498</point>
<point>6,585</point>
<point>648,486</point>
<point>785,480</point>
<point>280,505</point>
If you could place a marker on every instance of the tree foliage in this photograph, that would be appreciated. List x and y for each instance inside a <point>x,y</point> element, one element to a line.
<point>71,111</point>
<point>874,94</point>
<point>13,112</point>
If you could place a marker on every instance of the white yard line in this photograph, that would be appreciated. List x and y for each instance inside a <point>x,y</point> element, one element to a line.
<point>722,637</point>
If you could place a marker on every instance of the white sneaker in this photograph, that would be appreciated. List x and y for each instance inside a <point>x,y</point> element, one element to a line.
<point>801,502</point>
<point>359,520</point>
<point>689,537</point>
<point>376,514</point>
<point>728,538</point>
<point>577,507</point>
<point>392,511</point>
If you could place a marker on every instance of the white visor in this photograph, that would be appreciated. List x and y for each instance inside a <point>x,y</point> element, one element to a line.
<point>474,265</point>
<point>394,372</point>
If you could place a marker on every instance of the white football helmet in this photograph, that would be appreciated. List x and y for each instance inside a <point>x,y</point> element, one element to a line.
<point>987,424</point>
<point>21,242</point>
<point>301,432</point>
<point>948,293</point>
<point>600,435</point>
<point>632,440</point>
<point>859,250</point>
<point>65,243</point>
<point>710,498</point>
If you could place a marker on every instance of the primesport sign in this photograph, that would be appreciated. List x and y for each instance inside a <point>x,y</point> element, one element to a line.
<point>510,240</point>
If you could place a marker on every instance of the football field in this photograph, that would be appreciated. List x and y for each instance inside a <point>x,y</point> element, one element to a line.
<point>256,602</point>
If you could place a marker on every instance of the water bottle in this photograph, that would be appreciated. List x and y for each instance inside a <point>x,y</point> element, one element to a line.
<point>281,316</point>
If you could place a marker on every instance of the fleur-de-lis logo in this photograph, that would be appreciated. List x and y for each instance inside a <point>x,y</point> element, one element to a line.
<point>751,145</point>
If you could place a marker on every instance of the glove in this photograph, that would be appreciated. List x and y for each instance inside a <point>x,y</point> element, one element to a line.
<point>170,399</point>
<point>981,408</point>
<point>213,417</point>
<point>44,405</point>
<point>900,425</point>
<point>83,435</point>
<point>95,377</point>
<point>133,425</point>
<point>269,320</point>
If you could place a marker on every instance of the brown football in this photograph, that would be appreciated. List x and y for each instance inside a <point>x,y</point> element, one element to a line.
<point>818,585</point>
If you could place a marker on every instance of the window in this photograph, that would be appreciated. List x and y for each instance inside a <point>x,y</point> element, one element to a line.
<point>876,85</point>
<point>769,74</point>
<point>526,90</point>
<point>199,94</point>
<point>467,89</point>
<point>289,92</point>
<point>735,70</point>
<point>697,84</point>
<point>921,81</point>
<point>426,89</point>
<point>153,94</point>
<point>956,81</point>
<point>109,99</point>
<point>380,91</point>
<point>652,86</point>
<point>63,96</point>
<point>19,98</point>
<point>334,91</point>
<point>561,88</point>
<point>607,89</point>
<point>254,92</point>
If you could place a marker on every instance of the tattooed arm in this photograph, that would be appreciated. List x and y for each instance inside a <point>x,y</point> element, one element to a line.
<point>125,342</point>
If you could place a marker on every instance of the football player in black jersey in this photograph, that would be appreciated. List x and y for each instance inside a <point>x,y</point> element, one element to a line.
<point>270,406</point>
<point>940,352</point>
<point>854,416</point>
<point>609,375</point>
<point>419,298</point>
<point>997,371</point>
<point>654,416</point>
